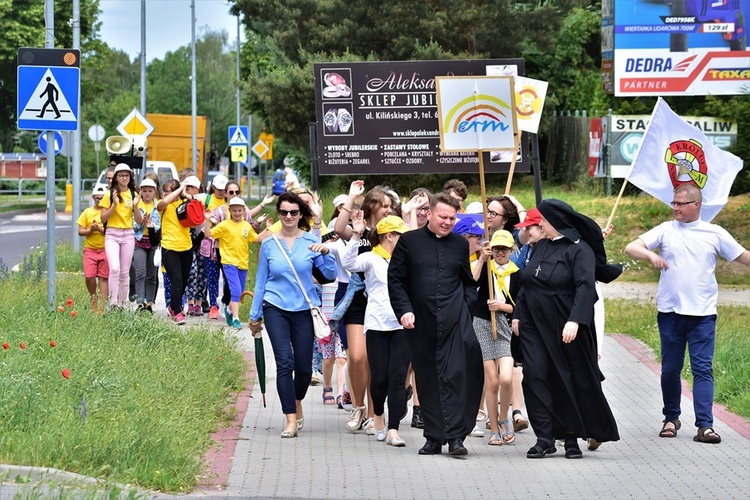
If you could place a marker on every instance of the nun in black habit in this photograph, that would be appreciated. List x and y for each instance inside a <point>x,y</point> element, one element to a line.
<point>554,319</point>
<point>432,292</point>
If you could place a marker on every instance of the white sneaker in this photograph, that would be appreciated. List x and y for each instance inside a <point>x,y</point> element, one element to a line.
<point>476,432</point>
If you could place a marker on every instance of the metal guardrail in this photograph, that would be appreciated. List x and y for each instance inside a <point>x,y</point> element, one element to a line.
<point>21,191</point>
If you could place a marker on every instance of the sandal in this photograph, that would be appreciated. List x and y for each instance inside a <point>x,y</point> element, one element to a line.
<point>519,423</point>
<point>540,449</point>
<point>572,450</point>
<point>670,432</point>
<point>495,439</point>
<point>328,398</point>
<point>508,436</point>
<point>707,435</point>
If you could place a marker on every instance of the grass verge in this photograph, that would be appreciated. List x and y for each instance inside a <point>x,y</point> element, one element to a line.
<point>732,352</point>
<point>129,399</point>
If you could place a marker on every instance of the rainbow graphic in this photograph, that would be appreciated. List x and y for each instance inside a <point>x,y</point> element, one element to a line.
<point>478,113</point>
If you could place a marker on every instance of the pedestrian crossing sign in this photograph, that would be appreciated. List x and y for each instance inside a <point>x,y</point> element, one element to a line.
<point>48,98</point>
<point>238,135</point>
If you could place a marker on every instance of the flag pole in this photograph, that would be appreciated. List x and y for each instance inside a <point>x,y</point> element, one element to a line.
<point>617,202</point>
<point>517,144</point>
<point>487,238</point>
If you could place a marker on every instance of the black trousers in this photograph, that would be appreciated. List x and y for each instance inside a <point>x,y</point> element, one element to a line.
<point>388,357</point>
<point>177,265</point>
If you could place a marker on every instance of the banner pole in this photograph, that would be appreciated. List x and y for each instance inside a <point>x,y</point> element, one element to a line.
<point>487,238</point>
<point>517,144</point>
<point>617,202</point>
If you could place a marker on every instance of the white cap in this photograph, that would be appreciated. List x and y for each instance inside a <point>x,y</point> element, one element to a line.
<point>193,181</point>
<point>99,190</point>
<point>122,167</point>
<point>148,183</point>
<point>475,207</point>
<point>220,182</point>
<point>237,201</point>
<point>339,200</point>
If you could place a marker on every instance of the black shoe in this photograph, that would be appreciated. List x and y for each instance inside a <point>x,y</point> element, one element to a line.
<point>572,450</point>
<point>431,447</point>
<point>541,448</point>
<point>416,417</point>
<point>456,447</point>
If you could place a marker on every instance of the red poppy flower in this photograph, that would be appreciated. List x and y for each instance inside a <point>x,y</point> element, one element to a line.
<point>60,309</point>
<point>66,373</point>
<point>69,302</point>
<point>73,314</point>
<point>6,346</point>
<point>22,345</point>
<point>53,343</point>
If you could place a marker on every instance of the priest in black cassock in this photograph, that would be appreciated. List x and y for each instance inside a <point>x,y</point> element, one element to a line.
<point>554,319</point>
<point>432,293</point>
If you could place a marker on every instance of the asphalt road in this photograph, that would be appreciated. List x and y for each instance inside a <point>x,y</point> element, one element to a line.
<point>20,232</point>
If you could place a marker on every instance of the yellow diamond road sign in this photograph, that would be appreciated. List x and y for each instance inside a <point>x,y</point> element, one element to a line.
<point>260,148</point>
<point>135,124</point>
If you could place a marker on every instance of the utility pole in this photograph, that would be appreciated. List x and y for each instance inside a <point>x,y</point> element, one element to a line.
<point>237,166</point>
<point>49,43</point>
<point>193,96</point>
<point>76,141</point>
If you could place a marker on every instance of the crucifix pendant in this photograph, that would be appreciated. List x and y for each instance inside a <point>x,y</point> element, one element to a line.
<point>536,271</point>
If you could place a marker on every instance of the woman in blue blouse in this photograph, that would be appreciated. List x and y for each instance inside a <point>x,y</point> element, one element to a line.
<point>280,302</point>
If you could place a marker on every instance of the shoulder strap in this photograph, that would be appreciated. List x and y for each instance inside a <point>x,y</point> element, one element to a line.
<point>299,282</point>
<point>207,201</point>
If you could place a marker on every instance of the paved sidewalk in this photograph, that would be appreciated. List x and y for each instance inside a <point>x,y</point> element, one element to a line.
<point>325,461</point>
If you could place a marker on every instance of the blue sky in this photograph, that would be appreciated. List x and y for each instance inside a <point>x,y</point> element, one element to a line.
<point>167,24</point>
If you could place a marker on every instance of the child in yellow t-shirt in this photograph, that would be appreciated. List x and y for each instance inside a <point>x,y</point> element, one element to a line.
<point>94,259</point>
<point>234,236</point>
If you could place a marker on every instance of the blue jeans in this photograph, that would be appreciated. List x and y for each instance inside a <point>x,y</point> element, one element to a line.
<point>291,335</point>
<point>699,332</point>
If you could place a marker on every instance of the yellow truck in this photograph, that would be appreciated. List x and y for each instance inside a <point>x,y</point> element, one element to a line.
<point>172,139</point>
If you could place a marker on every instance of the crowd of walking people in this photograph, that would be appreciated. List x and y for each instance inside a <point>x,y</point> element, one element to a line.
<point>471,318</point>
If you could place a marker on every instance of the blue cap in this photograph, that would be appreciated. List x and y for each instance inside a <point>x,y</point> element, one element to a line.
<point>469,226</point>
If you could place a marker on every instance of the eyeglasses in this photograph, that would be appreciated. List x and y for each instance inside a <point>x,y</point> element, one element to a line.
<point>501,249</point>
<point>123,175</point>
<point>287,213</point>
<point>233,192</point>
<point>109,178</point>
<point>492,214</point>
<point>424,210</point>
<point>676,204</point>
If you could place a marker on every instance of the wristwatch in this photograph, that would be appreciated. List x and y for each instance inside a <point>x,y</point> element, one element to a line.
<point>345,120</point>
<point>331,120</point>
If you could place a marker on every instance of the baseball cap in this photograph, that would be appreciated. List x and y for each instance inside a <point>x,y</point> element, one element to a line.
<point>220,182</point>
<point>99,190</point>
<point>237,201</point>
<point>469,226</point>
<point>148,183</point>
<point>391,224</point>
<point>475,207</point>
<point>193,181</point>
<point>502,238</point>
<point>339,200</point>
<point>533,217</point>
<point>122,167</point>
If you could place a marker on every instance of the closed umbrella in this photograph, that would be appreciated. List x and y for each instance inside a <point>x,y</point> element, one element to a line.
<point>260,356</point>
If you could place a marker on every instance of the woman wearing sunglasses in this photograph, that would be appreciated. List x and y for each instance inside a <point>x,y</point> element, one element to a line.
<point>280,301</point>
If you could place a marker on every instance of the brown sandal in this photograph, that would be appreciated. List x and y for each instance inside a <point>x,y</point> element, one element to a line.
<point>670,432</point>
<point>707,435</point>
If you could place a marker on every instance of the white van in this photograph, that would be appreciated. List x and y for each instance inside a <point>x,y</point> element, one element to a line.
<point>165,170</point>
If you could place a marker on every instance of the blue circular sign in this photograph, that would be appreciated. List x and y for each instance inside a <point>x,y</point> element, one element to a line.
<point>43,142</point>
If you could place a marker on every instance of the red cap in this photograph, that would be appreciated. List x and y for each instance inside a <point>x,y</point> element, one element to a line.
<point>533,217</point>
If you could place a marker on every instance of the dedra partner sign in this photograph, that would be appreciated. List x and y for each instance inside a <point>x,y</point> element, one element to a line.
<point>476,113</point>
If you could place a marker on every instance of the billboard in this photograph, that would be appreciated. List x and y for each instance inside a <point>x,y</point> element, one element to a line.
<point>382,118</point>
<point>680,47</point>
<point>626,132</point>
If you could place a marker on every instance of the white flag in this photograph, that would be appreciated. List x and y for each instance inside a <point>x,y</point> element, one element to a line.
<point>673,152</point>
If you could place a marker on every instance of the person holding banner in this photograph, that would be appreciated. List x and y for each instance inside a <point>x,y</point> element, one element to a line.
<point>435,309</point>
<point>686,303</point>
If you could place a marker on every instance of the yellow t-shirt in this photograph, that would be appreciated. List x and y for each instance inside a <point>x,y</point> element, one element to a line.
<point>147,209</point>
<point>174,236</point>
<point>234,238</point>
<point>122,217</point>
<point>96,239</point>
<point>214,203</point>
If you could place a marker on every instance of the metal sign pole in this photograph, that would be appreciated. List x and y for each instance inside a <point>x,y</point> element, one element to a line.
<point>49,42</point>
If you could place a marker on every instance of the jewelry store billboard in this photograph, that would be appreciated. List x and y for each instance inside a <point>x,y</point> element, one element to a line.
<point>381,118</point>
